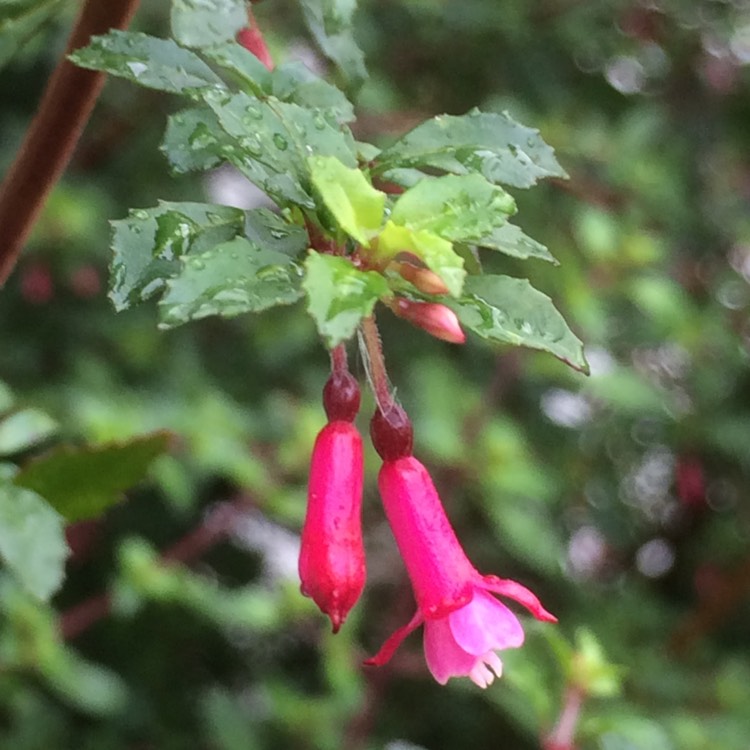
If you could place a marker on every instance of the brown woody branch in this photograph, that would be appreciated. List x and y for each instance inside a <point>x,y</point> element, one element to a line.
<point>52,137</point>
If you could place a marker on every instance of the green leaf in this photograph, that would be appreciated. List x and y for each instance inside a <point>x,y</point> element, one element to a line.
<point>194,141</point>
<point>244,64</point>
<point>491,144</point>
<point>340,295</point>
<point>436,253</point>
<point>511,240</point>
<point>6,398</point>
<point>155,63</point>
<point>232,278</point>
<point>503,309</point>
<point>275,138</point>
<point>355,204</point>
<point>83,482</point>
<point>25,429</point>
<point>293,82</point>
<point>148,244</point>
<point>330,22</point>
<point>32,540</point>
<point>201,23</point>
<point>457,208</point>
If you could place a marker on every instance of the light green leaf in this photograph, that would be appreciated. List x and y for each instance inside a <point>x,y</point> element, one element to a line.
<point>82,482</point>
<point>503,309</point>
<point>340,295</point>
<point>511,240</point>
<point>330,22</point>
<point>355,204</point>
<point>32,540</point>
<point>148,244</point>
<point>455,207</point>
<point>436,253</point>
<point>232,278</point>
<point>275,138</point>
<point>201,23</point>
<point>24,429</point>
<point>155,63</point>
<point>491,144</point>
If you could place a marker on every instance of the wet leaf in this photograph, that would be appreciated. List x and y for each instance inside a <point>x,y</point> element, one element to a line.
<point>155,63</point>
<point>508,310</point>
<point>194,141</point>
<point>511,240</point>
<point>232,278</point>
<point>200,23</point>
<point>340,295</point>
<point>490,144</point>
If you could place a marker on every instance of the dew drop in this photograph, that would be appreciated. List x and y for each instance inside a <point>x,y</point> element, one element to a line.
<point>280,142</point>
<point>319,121</point>
<point>198,265</point>
<point>140,214</point>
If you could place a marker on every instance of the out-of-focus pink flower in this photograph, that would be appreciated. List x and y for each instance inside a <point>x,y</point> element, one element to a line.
<point>436,319</point>
<point>332,556</point>
<point>464,624</point>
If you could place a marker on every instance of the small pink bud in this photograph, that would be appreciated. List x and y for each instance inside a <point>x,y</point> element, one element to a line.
<point>436,319</point>
<point>252,40</point>
<point>464,624</point>
<point>332,556</point>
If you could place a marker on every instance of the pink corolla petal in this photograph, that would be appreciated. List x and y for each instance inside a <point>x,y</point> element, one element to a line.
<point>514,590</point>
<point>389,647</point>
<point>445,658</point>
<point>485,624</point>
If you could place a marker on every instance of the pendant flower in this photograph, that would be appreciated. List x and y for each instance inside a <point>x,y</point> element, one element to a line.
<point>464,624</point>
<point>332,556</point>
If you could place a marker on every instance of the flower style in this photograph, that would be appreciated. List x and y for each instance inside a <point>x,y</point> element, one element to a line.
<point>332,557</point>
<point>464,624</point>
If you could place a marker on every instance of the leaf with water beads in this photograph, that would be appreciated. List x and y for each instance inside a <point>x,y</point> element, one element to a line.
<point>194,140</point>
<point>340,295</point>
<point>155,63</point>
<point>508,310</point>
<point>487,143</point>
<point>511,240</point>
<point>232,278</point>
<point>200,23</point>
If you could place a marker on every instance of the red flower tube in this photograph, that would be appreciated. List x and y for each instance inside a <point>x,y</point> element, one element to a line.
<point>464,624</point>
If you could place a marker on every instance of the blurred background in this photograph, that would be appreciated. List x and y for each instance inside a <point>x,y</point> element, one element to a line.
<point>621,498</point>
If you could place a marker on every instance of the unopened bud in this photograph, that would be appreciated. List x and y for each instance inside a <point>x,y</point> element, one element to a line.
<point>436,319</point>
<point>425,280</point>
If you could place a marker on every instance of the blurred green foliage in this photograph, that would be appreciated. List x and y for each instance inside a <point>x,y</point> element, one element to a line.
<point>621,498</point>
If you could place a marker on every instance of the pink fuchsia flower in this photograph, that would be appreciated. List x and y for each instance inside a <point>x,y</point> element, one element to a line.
<point>438,320</point>
<point>465,625</point>
<point>332,556</point>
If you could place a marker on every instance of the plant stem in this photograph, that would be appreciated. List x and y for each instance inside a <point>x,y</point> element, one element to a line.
<point>64,109</point>
<point>338,359</point>
<point>375,364</point>
<point>562,736</point>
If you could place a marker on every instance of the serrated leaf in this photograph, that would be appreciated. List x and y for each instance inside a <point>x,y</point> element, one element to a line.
<point>275,138</point>
<point>82,482</point>
<point>340,295</point>
<point>435,252</point>
<point>455,207</point>
<point>201,23</point>
<point>147,244</point>
<point>32,540</point>
<point>293,82</point>
<point>232,278</point>
<point>194,141</point>
<point>491,144</point>
<point>244,64</point>
<point>511,240</point>
<point>25,429</point>
<point>508,310</point>
<point>355,204</point>
<point>155,63</point>
<point>330,22</point>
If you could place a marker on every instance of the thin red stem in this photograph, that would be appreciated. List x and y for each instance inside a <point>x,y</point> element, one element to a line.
<point>376,364</point>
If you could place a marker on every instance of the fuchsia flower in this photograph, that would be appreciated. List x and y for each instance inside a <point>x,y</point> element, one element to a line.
<point>464,624</point>
<point>332,555</point>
